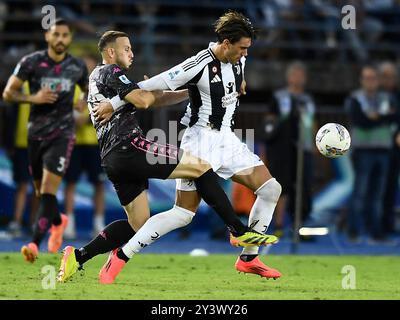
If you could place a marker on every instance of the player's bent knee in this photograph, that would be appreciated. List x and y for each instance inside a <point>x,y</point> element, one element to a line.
<point>188,200</point>
<point>270,190</point>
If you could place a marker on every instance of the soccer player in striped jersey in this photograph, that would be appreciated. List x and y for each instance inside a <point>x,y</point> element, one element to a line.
<point>127,155</point>
<point>215,80</point>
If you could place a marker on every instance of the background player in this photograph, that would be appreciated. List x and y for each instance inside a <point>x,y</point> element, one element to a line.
<point>52,75</point>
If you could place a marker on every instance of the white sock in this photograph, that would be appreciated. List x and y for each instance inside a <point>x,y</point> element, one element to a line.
<point>155,227</point>
<point>263,209</point>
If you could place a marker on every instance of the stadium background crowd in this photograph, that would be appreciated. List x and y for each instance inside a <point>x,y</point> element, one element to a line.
<point>164,32</point>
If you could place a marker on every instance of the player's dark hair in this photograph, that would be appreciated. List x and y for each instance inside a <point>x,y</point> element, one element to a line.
<point>233,26</point>
<point>110,37</point>
<point>61,22</point>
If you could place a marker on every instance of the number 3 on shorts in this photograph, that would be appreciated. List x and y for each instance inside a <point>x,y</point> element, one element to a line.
<point>61,167</point>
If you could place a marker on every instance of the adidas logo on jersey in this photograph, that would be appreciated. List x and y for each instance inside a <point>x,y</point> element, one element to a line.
<point>216,79</point>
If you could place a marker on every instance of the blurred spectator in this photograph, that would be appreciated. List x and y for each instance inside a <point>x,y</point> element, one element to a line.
<point>18,153</point>
<point>148,19</point>
<point>284,20</point>
<point>290,108</point>
<point>329,14</point>
<point>366,34</point>
<point>372,114</point>
<point>85,158</point>
<point>266,14</point>
<point>388,77</point>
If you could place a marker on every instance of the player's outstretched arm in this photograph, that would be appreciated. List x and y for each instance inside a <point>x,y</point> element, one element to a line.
<point>103,111</point>
<point>143,99</point>
<point>169,98</point>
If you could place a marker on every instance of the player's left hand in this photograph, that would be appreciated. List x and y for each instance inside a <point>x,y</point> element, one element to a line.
<point>102,112</point>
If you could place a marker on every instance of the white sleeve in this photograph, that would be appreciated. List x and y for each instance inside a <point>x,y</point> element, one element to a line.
<point>117,102</point>
<point>183,73</point>
<point>154,83</point>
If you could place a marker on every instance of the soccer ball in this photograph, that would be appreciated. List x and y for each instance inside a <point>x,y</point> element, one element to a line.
<point>332,140</point>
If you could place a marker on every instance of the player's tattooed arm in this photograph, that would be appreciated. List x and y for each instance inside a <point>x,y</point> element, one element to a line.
<point>142,99</point>
<point>12,93</point>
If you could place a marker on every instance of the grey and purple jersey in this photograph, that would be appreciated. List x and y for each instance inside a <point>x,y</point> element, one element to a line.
<point>105,82</point>
<point>47,121</point>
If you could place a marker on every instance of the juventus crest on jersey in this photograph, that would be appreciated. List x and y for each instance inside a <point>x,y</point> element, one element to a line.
<point>214,88</point>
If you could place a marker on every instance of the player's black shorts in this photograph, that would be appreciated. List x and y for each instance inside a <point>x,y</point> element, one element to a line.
<point>52,155</point>
<point>20,166</point>
<point>85,158</point>
<point>133,162</point>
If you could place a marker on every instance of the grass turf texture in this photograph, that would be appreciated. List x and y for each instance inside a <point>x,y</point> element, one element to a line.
<point>174,277</point>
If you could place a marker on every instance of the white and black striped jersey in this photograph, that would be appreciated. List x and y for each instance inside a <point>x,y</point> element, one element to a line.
<point>213,86</point>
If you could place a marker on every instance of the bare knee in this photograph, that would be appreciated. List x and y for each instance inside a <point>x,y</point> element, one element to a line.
<point>188,200</point>
<point>270,190</point>
<point>50,182</point>
<point>136,218</point>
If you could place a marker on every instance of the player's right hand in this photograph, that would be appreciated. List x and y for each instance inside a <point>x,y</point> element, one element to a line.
<point>102,112</point>
<point>44,95</point>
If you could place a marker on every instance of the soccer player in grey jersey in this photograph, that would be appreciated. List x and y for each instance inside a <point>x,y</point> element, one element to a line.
<point>52,75</point>
<point>215,80</point>
<point>124,154</point>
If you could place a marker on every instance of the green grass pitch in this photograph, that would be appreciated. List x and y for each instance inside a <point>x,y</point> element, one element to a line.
<point>175,277</point>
